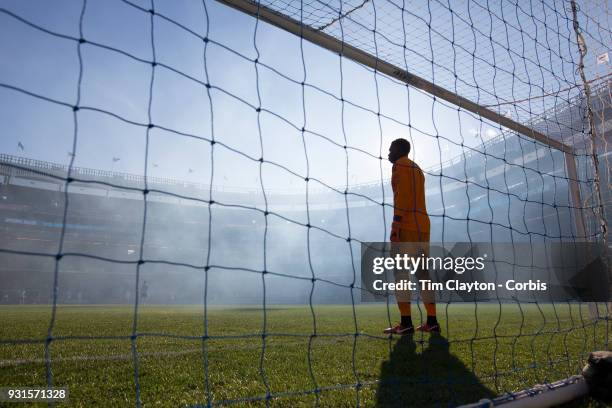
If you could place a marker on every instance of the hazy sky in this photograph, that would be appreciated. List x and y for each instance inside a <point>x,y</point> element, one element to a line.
<point>47,65</point>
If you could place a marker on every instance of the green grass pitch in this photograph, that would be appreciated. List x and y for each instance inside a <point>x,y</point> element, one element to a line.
<point>483,351</point>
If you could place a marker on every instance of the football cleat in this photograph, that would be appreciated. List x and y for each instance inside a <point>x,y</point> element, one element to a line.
<point>427,328</point>
<point>399,329</point>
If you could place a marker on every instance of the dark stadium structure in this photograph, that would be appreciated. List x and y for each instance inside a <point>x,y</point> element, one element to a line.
<point>508,189</point>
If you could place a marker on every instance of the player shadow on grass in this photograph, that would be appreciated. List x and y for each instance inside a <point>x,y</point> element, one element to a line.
<point>434,377</point>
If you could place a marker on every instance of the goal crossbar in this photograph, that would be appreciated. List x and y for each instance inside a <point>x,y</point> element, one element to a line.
<point>331,43</point>
<point>346,50</point>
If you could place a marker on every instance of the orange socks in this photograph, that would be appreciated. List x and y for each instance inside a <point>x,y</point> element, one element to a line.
<point>431,309</point>
<point>404,308</point>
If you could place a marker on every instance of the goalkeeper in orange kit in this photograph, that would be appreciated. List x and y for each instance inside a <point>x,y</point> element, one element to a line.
<point>410,225</point>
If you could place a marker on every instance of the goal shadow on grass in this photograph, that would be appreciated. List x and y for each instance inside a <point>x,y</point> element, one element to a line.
<point>433,377</point>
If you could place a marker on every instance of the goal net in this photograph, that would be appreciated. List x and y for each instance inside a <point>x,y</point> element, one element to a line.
<point>235,158</point>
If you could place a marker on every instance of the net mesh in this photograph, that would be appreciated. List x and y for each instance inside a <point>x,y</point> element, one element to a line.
<point>498,54</point>
<point>485,184</point>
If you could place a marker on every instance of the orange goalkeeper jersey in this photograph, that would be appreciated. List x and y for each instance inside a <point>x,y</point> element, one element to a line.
<point>408,183</point>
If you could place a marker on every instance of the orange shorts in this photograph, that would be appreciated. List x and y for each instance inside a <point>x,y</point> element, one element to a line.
<point>420,245</point>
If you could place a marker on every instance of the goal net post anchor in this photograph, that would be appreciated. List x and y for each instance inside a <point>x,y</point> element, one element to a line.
<point>539,396</point>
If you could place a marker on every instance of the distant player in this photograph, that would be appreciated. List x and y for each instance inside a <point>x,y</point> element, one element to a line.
<point>410,225</point>
<point>144,291</point>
